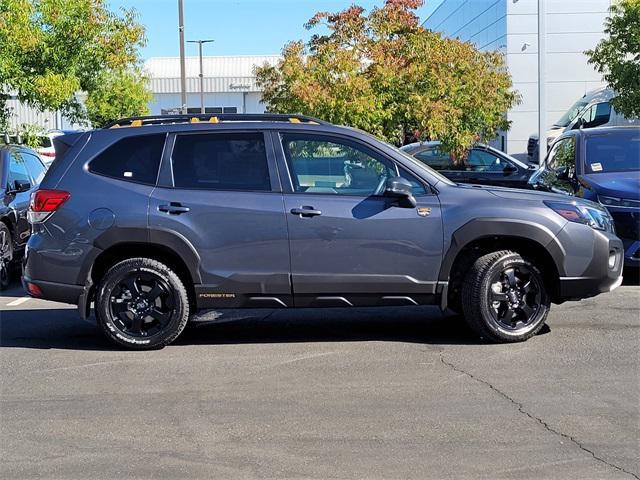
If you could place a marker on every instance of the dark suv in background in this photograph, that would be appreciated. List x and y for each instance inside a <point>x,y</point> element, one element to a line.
<point>21,170</point>
<point>602,165</point>
<point>165,219</point>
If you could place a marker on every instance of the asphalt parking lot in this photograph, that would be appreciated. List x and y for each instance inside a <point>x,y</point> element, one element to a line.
<point>386,393</point>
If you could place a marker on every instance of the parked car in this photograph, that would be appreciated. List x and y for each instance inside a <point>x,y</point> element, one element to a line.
<point>590,111</point>
<point>167,219</point>
<point>46,150</point>
<point>484,165</point>
<point>602,165</point>
<point>21,170</point>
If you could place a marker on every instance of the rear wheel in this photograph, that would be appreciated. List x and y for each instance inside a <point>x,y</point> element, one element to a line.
<point>504,298</point>
<point>141,304</point>
<point>6,256</point>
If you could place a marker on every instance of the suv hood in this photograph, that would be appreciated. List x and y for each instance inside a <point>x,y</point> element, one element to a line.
<point>517,193</point>
<point>614,184</point>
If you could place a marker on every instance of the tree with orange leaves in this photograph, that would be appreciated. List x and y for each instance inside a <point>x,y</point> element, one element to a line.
<point>382,72</point>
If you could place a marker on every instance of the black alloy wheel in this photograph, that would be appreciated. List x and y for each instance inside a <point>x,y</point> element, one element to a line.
<point>516,296</point>
<point>141,304</point>
<point>504,297</point>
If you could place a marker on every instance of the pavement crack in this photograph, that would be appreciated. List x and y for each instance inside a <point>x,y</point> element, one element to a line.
<point>533,417</point>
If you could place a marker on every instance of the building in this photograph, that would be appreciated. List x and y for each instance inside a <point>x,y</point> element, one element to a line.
<point>229,84</point>
<point>511,26</point>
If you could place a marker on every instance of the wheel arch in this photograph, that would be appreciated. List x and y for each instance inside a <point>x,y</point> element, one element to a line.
<point>481,236</point>
<point>118,244</point>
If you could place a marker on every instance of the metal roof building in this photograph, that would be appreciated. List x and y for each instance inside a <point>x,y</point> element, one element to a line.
<point>229,83</point>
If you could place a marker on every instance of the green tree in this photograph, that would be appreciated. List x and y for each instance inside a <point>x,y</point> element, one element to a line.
<point>617,56</point>
<point>52,49</point>
<point>119,94</point>
<point>384,73</point>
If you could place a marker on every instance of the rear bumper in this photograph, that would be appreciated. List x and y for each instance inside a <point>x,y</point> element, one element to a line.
<point>604,272</point>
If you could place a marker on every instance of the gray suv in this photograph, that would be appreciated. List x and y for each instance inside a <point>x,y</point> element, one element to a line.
<point>159,220</point>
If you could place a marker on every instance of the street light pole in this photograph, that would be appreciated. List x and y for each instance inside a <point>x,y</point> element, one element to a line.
<point>542,90</point>
<point>200,42</point>
<point>183,75</point>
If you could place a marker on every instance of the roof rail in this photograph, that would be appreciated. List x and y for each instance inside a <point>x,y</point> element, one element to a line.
<point>212,118</point>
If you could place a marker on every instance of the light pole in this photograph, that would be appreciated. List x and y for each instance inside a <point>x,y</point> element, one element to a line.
<point>183,75</point>
<point>200,42</point>
<point>542,91</point>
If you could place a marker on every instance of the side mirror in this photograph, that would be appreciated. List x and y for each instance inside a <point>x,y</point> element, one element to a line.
<point>579,124</point>
<point>402,190</point>
<point>19,186</point>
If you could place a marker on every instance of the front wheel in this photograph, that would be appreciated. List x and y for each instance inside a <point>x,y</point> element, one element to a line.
<point>504,298</point>
<point>141,304</point>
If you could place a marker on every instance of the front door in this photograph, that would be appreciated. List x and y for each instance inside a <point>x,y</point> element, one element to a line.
<point>350,245</point>
<point>224,200</point>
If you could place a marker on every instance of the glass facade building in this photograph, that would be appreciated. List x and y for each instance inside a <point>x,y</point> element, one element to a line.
<point>511,26</point>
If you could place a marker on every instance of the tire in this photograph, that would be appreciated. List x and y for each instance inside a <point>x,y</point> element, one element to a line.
<point>6,256</point>
<point>141,304</point>
<point>504,298</point>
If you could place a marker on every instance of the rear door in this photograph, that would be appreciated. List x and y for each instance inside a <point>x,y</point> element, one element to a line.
<point>221,193</point>
<point>350,245</point>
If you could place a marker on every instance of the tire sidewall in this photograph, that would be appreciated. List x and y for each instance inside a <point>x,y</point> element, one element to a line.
<point>103,310</point>
<point>510,261</point>
<point>5,277</point>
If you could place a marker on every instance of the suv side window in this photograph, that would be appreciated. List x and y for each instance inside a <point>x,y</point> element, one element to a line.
<point>322,164</point>
<point>596,115</point>
<point>482,161</point>
<point>133,159</point>
<point>559,171</point>
<point>17,169</point>
<point>35,167</point>
<point>221,161</point>
<point>435,158</point>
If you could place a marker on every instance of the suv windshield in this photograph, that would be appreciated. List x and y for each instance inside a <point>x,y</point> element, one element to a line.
<point>572,113</point>
<point>613,152</point>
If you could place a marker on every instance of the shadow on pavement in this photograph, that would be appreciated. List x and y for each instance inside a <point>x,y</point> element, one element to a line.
<point>62,329</point>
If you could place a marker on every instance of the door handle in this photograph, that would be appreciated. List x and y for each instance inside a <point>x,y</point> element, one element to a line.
<point>174,208</point>
<point>306,211</point>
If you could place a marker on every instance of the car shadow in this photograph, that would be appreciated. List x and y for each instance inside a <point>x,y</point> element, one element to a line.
<point>62,329</point>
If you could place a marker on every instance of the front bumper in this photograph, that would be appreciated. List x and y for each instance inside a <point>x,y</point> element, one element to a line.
<point>603,273</point>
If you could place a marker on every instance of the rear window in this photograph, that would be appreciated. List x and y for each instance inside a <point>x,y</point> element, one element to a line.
<point>133,159</point>
<point>221,161</point>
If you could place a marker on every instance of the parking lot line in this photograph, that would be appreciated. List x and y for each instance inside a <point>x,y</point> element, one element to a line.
<point>18,301</point>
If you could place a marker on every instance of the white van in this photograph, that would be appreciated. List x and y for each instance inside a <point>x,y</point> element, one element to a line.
<point>592,110</point>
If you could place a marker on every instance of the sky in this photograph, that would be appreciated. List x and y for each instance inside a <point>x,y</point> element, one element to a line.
<point>239,27</point>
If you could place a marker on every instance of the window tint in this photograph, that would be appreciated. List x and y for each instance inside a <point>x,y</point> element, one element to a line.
<point>597,115</point>
<point>221,161</point>
<point>563,154</point>
<point>17,169</point>
<point>35,167</point>
<point>417,187</point>
<point>613,152</point>
<point>483,161</point>
<point>329,165</point>
<point>134,159</point>
<point>435,158</point>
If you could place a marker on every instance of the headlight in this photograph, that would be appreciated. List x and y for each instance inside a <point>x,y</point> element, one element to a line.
<point>594,216</point>
<point>618,202</point>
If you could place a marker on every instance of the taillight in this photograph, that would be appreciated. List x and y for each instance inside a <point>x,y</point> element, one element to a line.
<point>48,154</point>
<point>44,203</point>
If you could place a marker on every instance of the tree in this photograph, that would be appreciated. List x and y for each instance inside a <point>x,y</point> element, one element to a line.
<point>617,56</point>
<point>119,94</point>
<point>384,73</point>
<point>52,49</point>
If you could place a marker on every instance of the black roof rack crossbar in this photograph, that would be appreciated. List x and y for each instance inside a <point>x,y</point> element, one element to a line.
<point>219,117</point>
